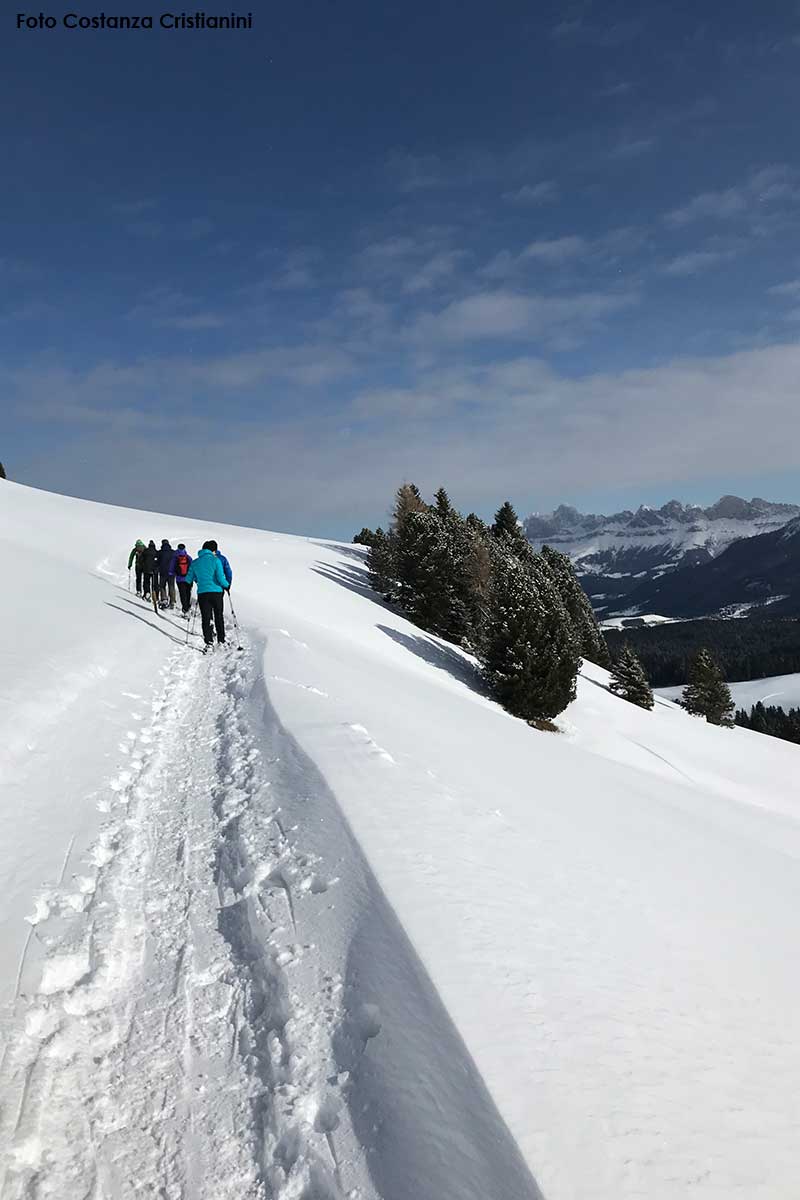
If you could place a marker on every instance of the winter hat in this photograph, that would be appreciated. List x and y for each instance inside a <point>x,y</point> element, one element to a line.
<point>151,545</point>
<point>212,545</point>
<point>139,542</point>
<point>181,545</point>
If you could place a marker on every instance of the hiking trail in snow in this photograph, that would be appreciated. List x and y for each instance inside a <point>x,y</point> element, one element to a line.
<point>219,1003</point>
<point>179,1040</point>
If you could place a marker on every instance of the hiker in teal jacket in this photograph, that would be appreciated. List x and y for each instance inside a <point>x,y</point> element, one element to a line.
<point>206,571</point>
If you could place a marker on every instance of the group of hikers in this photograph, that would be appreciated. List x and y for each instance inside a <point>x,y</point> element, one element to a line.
<point>160,572</point>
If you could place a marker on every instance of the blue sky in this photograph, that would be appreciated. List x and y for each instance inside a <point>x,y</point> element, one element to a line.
<point>549,252</point>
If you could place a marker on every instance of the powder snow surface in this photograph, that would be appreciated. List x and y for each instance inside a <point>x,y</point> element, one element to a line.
<point>782,691</point>
<point>318,920</point>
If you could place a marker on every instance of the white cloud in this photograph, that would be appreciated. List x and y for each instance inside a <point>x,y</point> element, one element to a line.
<point>791,288</point>
<point>566,29</point>
<point>435,271</point>
<point>514,427</point>
<point>762,188</point>
<point>297,272</point>
<point>508,315</point>
<point>633,147</point>
<point>614,89</point>
<point>555,250</point>
<point>567,251</point>
<point>193,322</point>
<point>545,192</point>
<point>695,261</point>
<point>172,309</point>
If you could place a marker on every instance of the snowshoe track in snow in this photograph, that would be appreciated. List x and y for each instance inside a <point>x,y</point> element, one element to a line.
<point>165,1051</point>
<point>220,1004</point>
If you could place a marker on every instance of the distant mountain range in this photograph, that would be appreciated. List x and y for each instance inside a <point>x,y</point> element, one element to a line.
<point>756,575</point>
<point>678,560</point>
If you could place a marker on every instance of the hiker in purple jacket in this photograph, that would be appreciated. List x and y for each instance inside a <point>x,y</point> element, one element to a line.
<point>177,571</point>
<point>166,590</point>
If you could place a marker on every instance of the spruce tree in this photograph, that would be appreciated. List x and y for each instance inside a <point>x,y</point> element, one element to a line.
<point>530,657</point>
<point>508,533</point>
<point>365,538</point>
<point>590,638</point>
<point>629,681</point>
<point>707,694</point>
<point>432,567</point>
<point>419,553</point>
<point>381,562</point>
<point>442,503</point>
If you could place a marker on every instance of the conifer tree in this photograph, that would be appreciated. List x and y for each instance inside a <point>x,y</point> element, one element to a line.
<point>758,718</point>
<point>432,567</point>
<point>508,531</point>
<point>530,656</point>
<point>442,503</point>
<point>629,681</point>
<point>419,554</point>
<point>478,582</point>
<point>590,638</point>
<point>407,500</point>
<point>364,538</point>
<point>707,694</point>
<point>381,563</point>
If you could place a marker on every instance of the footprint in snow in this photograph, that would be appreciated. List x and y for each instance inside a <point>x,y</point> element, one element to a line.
<point>305,687</point>
<point>372,745</point>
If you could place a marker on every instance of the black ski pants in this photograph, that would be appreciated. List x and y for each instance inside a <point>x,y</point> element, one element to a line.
<point>211,607</point>
<point>138,576</point>
<point>185,592</point>
<point>151,583</point>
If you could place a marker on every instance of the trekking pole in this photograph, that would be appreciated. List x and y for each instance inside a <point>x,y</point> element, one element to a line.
<point>129,579</point>
<point>235,622</point>
<point>194,616</point>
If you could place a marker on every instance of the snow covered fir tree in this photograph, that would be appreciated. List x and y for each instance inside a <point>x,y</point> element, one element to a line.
<point>592,643</point>
<point>523,614</point>
<point>629,681</point>
<point>707,694</point>
<point>531,654</point>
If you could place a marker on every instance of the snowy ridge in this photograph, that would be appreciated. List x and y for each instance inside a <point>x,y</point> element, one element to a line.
<point>321,921</point>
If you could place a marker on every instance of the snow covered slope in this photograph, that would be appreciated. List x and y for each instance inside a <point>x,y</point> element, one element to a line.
<point>783,691</point>
<point>619,553</point>
<point>319,920</point>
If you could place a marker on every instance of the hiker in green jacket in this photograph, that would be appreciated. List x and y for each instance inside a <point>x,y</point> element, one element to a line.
<point>136,556</point>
